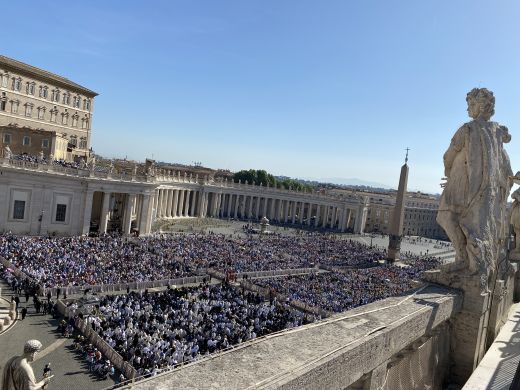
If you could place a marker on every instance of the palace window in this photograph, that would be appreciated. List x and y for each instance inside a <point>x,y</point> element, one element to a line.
<point>83,143</point>
<point>55,95</point>
<point>3,101</point>
<point>14,106</point>
<point>30,88</point>
<point>41,112</point>
<point>84,123</point>
<point>73,140</point>
<point>28,109</point>
<point>86,104</point>
<point>61,212</point>
<point>26,140</point>
<point>19,209</point>
<point>45,143</point>
<point>76,101</point>
<point>5,80</point>
<point>75,120</point>
<point>66,98</point>
<point>54,114</point>
<point>16,84</point>
<point>7,138</point>
<point>65,118</point>
<point>44,90</point>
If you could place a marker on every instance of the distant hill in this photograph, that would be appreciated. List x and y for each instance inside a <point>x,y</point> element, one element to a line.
<point>352,182</point>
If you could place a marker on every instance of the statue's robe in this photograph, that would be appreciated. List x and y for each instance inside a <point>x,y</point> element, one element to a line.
<point>18,375</point>
<point>476,192</point>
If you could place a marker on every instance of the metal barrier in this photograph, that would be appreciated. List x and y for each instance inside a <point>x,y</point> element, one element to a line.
<point>107,351</point>
<point>104,288</point>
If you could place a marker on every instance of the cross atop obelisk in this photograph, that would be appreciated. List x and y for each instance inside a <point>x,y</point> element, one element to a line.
<point>396,228</point>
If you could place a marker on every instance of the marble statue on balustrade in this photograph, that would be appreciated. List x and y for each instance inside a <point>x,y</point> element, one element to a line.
<point>18,373</point>
<point>472,207</point>
<point>515,220</point>
<point>7,152</point>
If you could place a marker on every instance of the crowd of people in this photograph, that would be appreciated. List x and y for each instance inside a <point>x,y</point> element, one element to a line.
<point>81,261</point>
<point>339,291</point>
<point>156,330</point>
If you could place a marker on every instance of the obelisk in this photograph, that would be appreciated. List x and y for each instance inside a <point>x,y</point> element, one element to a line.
<point>396,228</point>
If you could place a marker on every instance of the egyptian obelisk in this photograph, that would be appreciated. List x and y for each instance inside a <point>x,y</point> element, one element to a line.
<point>396,228</point>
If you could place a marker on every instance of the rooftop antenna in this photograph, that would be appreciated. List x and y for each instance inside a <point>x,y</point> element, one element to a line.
<point>406,158</point>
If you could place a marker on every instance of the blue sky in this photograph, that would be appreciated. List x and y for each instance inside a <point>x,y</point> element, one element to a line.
<point>311,89</point>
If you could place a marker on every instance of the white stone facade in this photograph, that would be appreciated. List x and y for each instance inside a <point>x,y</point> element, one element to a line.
<point>31,98</point>
<point>48,199</point>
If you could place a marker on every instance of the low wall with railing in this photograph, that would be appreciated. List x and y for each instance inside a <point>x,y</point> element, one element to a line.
<point>104,288</point>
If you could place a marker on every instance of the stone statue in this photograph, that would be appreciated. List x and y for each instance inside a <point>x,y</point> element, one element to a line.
<point>7,152</point>
<point>472,208</point>
<point>18,373</point>
<point>515,222</point>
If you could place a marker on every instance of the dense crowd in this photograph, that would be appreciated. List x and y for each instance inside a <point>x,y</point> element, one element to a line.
<point>78,261</point>
<point>155,330</point>
<point>340,291</point>
<point>45,160</point>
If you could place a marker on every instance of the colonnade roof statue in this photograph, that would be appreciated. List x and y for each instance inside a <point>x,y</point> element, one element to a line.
<point>472,207</point>
<point>18,373</point>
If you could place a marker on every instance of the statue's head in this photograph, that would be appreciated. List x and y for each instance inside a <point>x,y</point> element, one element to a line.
<point>481,103</point>
<point>31,348</point>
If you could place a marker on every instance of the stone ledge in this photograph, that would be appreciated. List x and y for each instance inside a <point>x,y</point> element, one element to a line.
<point>331,354</point>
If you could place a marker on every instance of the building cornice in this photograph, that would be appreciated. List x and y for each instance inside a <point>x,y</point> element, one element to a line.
<point>29,70</point>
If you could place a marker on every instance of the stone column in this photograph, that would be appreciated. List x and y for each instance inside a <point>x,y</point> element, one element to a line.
<point>229,205</point>
<point>193,203</point>
<point>271,208</point>
<point>293,212</point>
<point>104,213</point>
<point>237,197</point>
<point>159,204</point>
<point>343,223</point>
<point>201,210</point>
<point>250,208</point>
<point>164,202</point>
<point>87,211</point>
<point>285,211</point>
<point>243,207</point>
<point>145,215</point>
<point>302,211</point>
<point>130,199</point>
<point>181,202</point>
<point>257,208</point>
<point>187,203</point>
<point>169,204</point>
<point>219,205</point>
<point>317,220</point>
<point>333,217</point>
<point>264,210</point>
<point>325,216</point>
<point>175,203</point>
<point>155,203</point>
<point>309,214</point>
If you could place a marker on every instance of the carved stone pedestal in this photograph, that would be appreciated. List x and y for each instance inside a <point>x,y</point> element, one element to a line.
<point>481,317</point>
<point>469,326</point>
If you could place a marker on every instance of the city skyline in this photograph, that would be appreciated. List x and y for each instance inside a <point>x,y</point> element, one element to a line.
<point>297,89</point>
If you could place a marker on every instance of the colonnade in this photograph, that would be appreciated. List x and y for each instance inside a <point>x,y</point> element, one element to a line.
<point>125,209</point>
<point>173,203</point>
